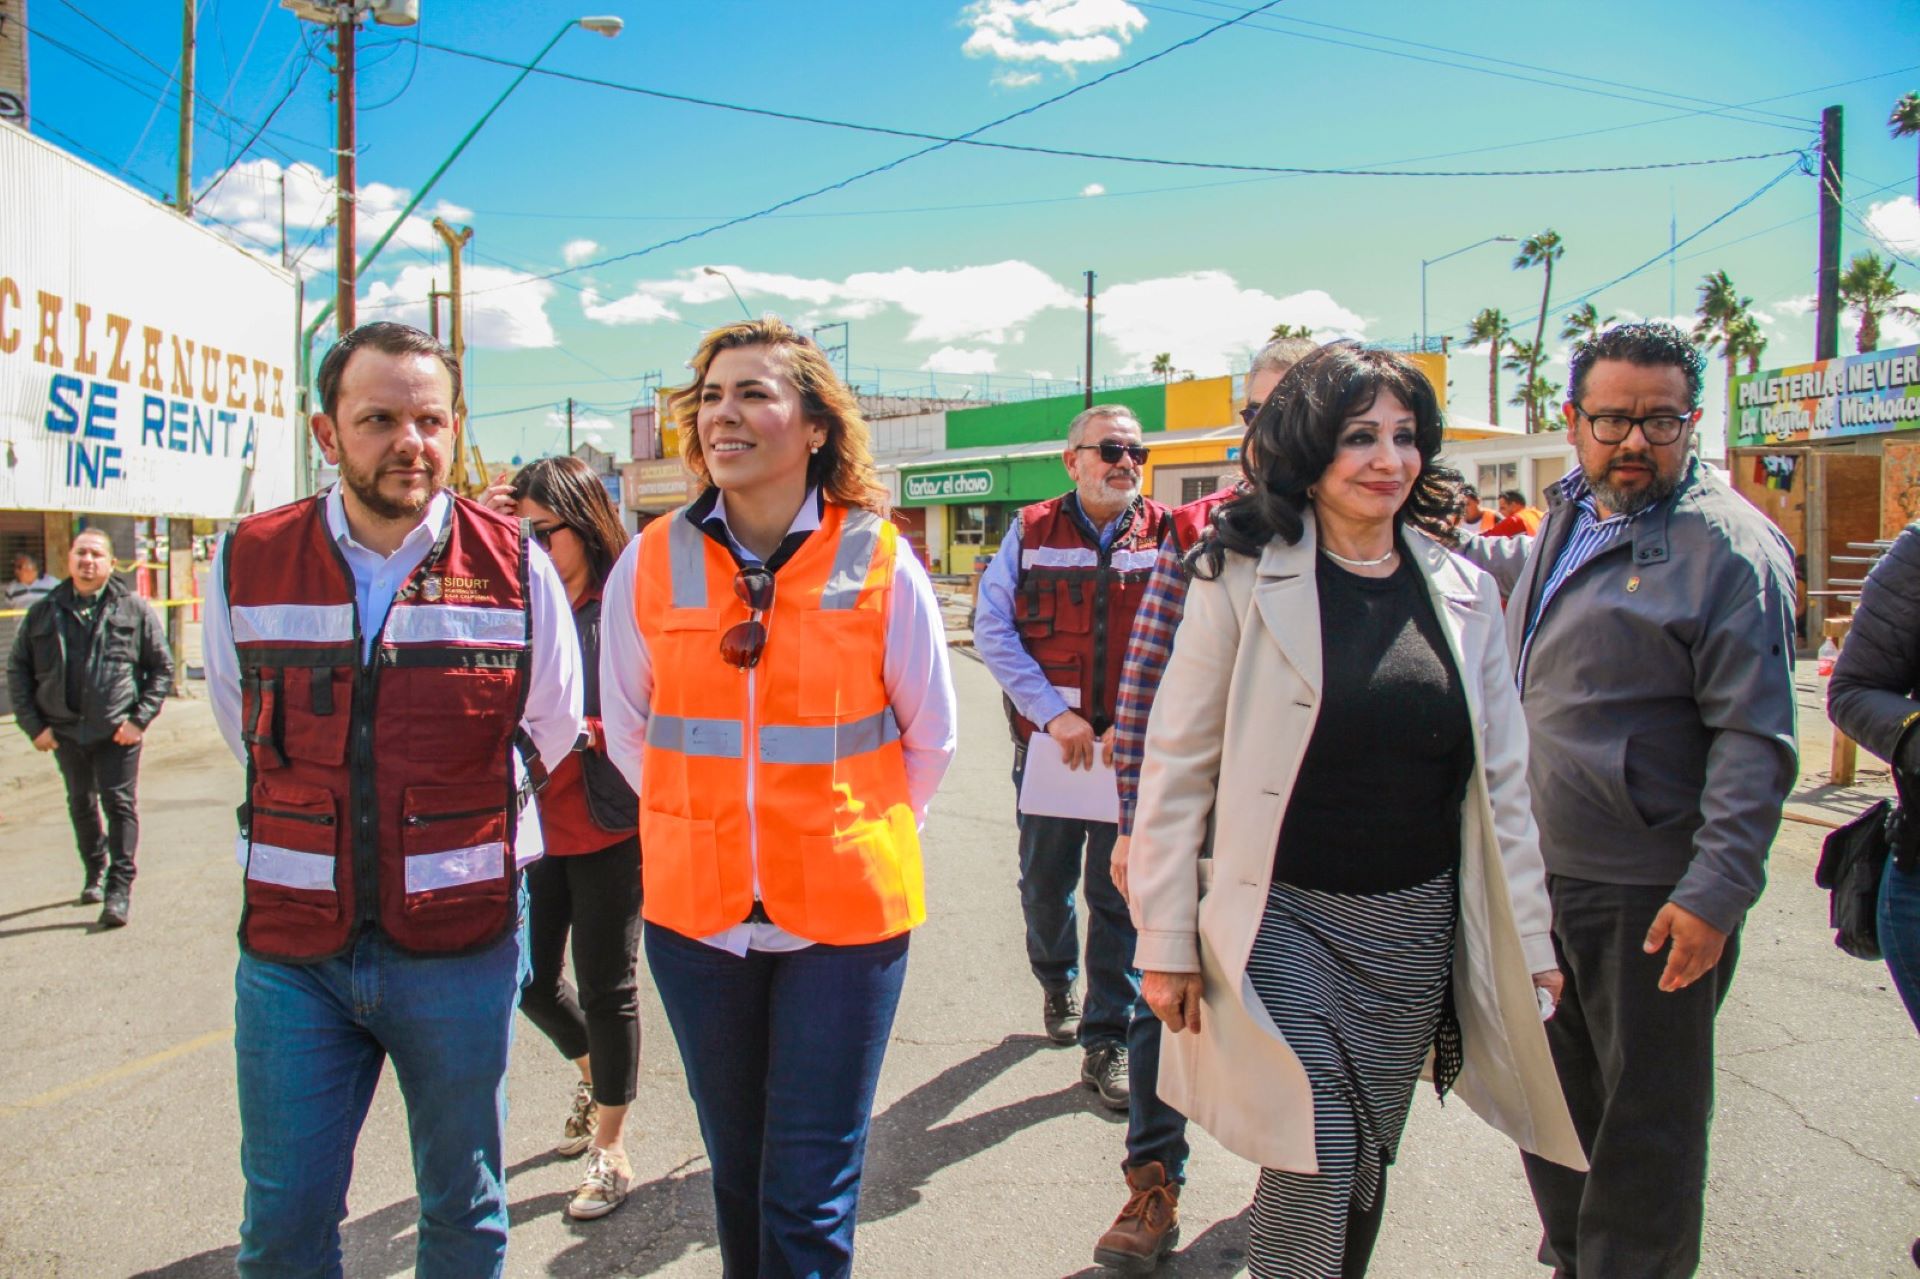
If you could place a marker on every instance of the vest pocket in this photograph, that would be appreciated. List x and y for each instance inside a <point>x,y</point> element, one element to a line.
<point>292,855</point>
<point>840,672</point>
<point>681,871</point>
<point>318,700</point>
<point>455,849</point>
<point>856,879</point>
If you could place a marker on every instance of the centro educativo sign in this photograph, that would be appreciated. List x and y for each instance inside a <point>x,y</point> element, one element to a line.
<point>949,486</point>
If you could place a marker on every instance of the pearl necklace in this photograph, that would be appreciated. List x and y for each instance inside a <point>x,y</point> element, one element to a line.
<point>1374,563</point>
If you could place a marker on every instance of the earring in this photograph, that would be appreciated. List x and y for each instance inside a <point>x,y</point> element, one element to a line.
<point>814,447</point>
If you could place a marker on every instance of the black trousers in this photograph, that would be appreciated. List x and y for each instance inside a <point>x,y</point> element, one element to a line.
<point>1636,1065</point>
<point>103,776</point>
<point>597,897</point>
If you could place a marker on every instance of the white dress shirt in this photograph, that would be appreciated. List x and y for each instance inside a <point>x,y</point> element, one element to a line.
<point>552,716</point>
<point>914,672</point>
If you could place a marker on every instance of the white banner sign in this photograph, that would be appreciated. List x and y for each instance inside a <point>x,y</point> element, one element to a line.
<point>146,364</point>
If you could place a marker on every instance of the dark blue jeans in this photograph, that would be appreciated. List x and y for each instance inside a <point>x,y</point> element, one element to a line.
<point>310,1040</point>
<point>782,1053</point>
<point>1900,933</point>
<point>1156,1132</point>
<point>1051,865</point>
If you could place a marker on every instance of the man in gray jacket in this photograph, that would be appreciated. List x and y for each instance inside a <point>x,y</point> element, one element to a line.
<point>1651,622</point>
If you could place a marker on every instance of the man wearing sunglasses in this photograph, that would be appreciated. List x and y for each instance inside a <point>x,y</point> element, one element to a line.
<point>1056,607</point>
<point>1651,623</point>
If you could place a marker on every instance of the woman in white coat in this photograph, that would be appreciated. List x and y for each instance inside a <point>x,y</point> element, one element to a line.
<point>1338,728</point>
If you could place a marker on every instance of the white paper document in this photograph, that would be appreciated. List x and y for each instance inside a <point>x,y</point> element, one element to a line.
<point>1051,789</point>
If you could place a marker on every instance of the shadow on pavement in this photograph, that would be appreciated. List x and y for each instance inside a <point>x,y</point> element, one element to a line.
<point>35,910</point>
<point>667,1218</point>
<point>84,925</point>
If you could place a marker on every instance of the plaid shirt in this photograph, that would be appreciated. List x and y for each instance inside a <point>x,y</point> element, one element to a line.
<point>1147,652</point>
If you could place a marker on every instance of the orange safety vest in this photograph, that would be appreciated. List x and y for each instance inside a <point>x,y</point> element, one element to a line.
<point>795,765</point>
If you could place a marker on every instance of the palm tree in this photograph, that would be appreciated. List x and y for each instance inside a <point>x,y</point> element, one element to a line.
<point>1541,249</point>
<point>1867,286</point>
<point>1490,329</point>
<point>1520,357</point>
<point>1536,397</point>
<point>1905,123</point>
<point>1163,365</point>
<point>1726,321</point>
<point>1747,341</point>
<point>1583,322</point>
<point>1290,331</point>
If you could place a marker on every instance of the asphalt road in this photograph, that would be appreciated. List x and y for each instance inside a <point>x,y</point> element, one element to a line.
<point>118,1138</point>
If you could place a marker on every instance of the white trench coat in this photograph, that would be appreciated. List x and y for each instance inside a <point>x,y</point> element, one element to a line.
<point>1229,728</point>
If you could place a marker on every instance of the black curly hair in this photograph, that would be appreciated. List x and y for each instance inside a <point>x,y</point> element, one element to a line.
<point>1648,343</point>
<point>1293,440</point>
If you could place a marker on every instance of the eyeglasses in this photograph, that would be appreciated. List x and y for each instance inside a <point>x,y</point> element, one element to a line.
<point>1111,451</point>
<point>744,642</point>
<point>543,534</point>
<point>1659,428</point>
<point>1248,413</point>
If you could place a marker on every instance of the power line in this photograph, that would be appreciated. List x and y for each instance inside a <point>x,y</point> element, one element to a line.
<point>258,130</point>
<point>937,146</point>
<point>968,139</point>
<point>1784,122</point>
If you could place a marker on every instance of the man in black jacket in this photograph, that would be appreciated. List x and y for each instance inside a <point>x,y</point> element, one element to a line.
<point>88,671</point>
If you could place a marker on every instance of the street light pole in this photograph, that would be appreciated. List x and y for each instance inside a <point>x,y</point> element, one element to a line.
<point>606,26</point>
<point>1427,262</point>
<point>714,270</point>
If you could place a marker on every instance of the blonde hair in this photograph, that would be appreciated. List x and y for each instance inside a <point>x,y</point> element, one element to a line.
<point>843,468</point>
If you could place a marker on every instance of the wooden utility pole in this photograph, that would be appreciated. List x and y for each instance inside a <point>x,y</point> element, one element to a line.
<point>183,182</point>
<point>13,62</point>
<point>434,294</point>
<point>569,426</point>
<point>1089,403</point>
<point>345,31</point>
<point>1826,329</point>
<point>456,240</point>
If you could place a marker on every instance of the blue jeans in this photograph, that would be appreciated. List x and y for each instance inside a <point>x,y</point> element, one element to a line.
<point>310,1041</point>
<point>782,1053</point>
<point>1050,869</point>
<point>1156,1132</point>
<point>1899,922</point>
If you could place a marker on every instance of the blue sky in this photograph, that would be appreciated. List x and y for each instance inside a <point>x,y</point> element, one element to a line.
<point>962,269</point>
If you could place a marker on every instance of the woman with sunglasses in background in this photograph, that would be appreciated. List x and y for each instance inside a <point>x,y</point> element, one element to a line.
<point>775,685</point>
<point>589,881</point>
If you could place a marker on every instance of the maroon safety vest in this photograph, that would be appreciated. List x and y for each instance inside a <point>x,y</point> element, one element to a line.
<point>1189,523</point>
<point>379,794</point>
<point>1075,600</point>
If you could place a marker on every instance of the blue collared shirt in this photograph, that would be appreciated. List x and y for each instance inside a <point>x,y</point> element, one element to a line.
<point>1591,535</point>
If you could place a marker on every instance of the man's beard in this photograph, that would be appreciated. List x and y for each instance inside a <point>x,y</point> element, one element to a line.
<point>366,487</point>
<point>1632,501</point>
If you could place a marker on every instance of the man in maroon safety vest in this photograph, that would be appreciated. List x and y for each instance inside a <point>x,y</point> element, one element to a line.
<point>396,667</point>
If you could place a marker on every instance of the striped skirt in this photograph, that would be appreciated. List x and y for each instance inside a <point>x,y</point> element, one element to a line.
<point>1356,984</point>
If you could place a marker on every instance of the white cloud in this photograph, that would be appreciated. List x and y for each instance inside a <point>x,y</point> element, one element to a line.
<point>966,304</point>
<point>1093,188</point>
<point>1011,79</point>
<point>1896,225</point>
<point>960,359</point>
<point>1803,304</point>
<point>590,428</point>
<point>1065,33</point>
<point>574,252</point>
<point>635,308</point>
<point>506,309</point>
<point>1207,321</point>
<point>452,212</point>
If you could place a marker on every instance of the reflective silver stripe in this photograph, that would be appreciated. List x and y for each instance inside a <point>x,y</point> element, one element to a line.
<point>292,623</point>
<point>1060,557</point>
<point>686,561</point>
<point>456,866</point>
<point>828,743</point>
<point>1134,561</point>
<point>713,738</point>
<point>859,539</point>
<point>456,623</point>
<point>290,868</point>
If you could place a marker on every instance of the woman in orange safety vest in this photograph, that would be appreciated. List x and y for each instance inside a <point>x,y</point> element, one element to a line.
<point>774,684</point>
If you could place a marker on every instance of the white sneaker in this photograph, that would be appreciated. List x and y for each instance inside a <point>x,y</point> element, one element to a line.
<point>577,1135</point>
<point>603,1189</point>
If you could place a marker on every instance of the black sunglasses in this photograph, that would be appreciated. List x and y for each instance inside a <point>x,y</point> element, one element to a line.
<point>1248,412</point>
<point>543,533</point>
<point>1111,451</point>
<point>744,642</point>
